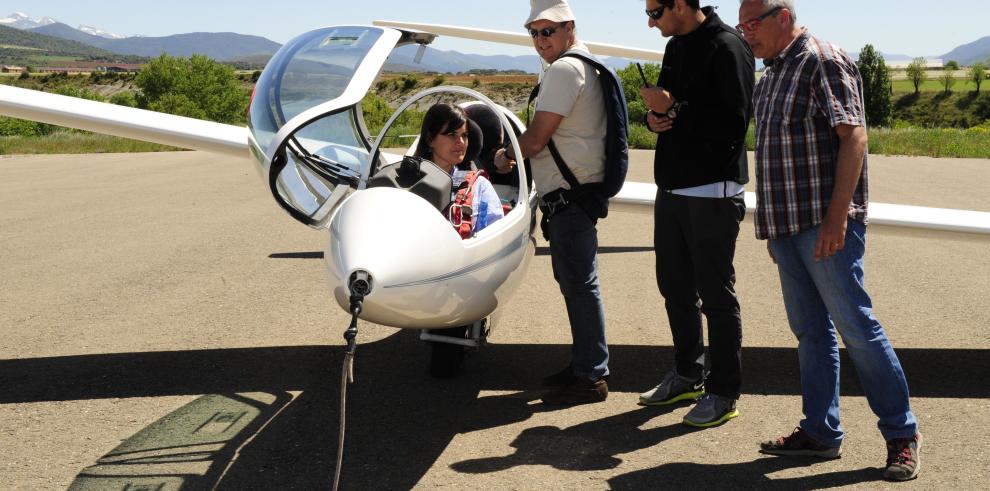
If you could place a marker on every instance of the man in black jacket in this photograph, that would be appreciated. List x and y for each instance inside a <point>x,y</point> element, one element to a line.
<point>700,109</point>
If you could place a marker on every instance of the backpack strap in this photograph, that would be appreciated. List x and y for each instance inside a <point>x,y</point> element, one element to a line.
<point>565,171</point>
<point>461,214</point>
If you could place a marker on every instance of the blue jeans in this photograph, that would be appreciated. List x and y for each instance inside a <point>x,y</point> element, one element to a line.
<point>573,254</point>
<point>828,296</point>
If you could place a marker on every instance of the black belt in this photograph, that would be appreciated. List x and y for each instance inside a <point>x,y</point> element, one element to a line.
<point>554,201</point>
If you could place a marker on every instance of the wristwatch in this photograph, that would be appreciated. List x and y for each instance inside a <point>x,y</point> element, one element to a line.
<point>674,109</point>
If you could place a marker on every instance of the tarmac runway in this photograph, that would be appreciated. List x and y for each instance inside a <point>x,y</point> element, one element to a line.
<point>165,325</point>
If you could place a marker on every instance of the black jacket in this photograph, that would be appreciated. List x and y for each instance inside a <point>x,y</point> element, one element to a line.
<point>712,70</point>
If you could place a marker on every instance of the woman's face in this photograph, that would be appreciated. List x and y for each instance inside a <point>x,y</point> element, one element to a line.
<point>450,147</point>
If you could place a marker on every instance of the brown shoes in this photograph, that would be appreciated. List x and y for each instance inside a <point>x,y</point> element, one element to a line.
<point>903,458</point>
<point>578,392</point>
<point>799,443</point>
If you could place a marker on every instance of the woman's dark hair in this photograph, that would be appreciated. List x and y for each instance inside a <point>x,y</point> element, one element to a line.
<point>439,118</point>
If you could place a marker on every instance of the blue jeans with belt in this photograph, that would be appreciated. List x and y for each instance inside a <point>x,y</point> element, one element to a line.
<point>573,255</point>
<point>825,297</point>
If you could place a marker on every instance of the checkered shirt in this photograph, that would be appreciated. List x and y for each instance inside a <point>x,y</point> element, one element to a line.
<point>809,89</point>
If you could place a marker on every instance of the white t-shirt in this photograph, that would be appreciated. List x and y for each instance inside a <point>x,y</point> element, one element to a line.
<point>570,88</point>
<point>483,192</point>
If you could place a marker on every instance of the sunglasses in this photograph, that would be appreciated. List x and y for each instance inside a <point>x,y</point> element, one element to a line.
<point>754,24</point>
<point>657,13</point>
<point>545,32</point>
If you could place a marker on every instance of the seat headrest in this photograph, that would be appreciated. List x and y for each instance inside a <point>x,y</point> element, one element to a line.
<point>476,141</point>
<point>491,129</point>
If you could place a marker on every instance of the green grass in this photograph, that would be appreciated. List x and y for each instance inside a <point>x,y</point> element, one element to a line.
<point>928,142</point>
<point>931,142</point>
<point>922,142</point>
<point>934,85</point>
<point>74,142</point>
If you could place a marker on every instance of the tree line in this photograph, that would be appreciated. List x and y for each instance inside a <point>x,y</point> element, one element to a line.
<point>877,83</point>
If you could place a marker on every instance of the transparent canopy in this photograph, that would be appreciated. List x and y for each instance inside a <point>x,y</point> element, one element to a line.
<point>305,116</point>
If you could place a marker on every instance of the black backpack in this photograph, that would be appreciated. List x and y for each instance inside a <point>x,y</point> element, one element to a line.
<point>616,137</point>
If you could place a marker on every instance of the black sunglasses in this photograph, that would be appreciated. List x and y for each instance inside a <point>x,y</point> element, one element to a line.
<point>545,32</point>
<point>657,13</point>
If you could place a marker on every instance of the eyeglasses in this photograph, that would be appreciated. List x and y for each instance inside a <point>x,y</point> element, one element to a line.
<point>657,13</point>
<point>545,32</point>
<point>754,24</point>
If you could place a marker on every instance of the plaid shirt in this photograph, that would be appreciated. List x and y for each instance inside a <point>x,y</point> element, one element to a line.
<point>808,90</point>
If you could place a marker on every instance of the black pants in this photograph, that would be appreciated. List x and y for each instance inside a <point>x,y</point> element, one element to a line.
<point>695,241</point>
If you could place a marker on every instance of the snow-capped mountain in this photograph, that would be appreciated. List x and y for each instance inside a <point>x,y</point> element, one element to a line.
<point>20,20</point>
<point>96,31</point>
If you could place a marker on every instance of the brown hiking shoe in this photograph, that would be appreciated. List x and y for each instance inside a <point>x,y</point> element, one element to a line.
<point>578,392</point>
<point>562,378</point>
<point>903,458</point>
<point>799,443</point>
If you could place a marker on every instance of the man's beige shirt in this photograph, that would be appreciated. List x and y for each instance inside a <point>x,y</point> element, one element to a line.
<point>570,88</point>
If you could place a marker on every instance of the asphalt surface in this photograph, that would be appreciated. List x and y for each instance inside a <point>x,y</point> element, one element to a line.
<point>164,325</point>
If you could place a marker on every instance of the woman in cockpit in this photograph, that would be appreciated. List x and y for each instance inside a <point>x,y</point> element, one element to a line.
<point>443,140</point>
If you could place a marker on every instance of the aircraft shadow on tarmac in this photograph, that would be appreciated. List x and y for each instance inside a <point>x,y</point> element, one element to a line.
<point>269,416</point>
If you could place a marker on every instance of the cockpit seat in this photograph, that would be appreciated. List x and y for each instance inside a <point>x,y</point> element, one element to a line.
<point>493,138</point>
<point>418,176</point>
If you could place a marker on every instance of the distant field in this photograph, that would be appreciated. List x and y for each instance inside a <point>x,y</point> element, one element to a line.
<point>468,79</point>
<point>10,46</point>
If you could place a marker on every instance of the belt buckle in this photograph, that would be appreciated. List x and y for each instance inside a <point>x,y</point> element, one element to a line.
<point>557,204</point>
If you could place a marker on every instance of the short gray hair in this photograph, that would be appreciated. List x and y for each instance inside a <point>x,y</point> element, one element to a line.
<point>784,4</point>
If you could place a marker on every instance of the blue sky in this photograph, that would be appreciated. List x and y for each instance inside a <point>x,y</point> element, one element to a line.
<point>910,27</point>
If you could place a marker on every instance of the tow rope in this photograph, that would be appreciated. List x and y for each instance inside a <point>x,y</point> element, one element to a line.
<point>347,377</point>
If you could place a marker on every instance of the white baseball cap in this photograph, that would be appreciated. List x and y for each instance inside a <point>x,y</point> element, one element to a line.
<point>553,10</point>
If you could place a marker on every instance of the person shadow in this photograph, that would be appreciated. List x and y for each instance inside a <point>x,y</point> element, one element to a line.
<point>742,475</point>
<point>589,446</point>
<point>597,446</point>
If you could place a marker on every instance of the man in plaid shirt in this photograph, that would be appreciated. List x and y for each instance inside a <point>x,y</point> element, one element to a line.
<point>811,179</point>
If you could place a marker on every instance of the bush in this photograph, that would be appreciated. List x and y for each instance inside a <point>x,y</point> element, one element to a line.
<point>409,82</point>
<point>195,87</point>
<point>80,93</point>
<point>376,113</point>
<point>632,81</point>
<point>20,127</point>
<point>124,99</point>
<point>640,137</point>
<point>637,111</point>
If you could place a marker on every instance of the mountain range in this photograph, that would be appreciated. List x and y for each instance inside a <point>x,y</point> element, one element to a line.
<point>970,53</point>
<point>228,46</point>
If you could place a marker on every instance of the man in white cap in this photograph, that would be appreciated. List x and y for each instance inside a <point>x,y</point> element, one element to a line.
<point>571,111</point>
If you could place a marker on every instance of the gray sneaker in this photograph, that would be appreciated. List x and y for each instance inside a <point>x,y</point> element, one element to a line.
<point>671,389</point>
<point>711,410</point>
